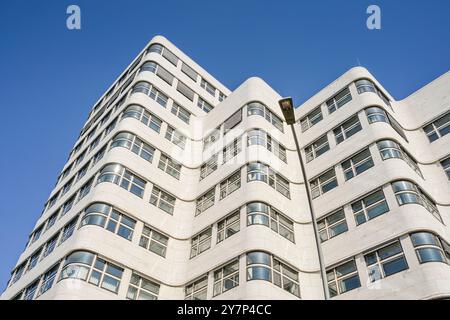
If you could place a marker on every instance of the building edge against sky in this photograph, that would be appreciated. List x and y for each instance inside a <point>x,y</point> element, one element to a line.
<point>179,188</point>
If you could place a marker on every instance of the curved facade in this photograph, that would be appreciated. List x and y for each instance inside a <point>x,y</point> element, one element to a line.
<point>178,188</point>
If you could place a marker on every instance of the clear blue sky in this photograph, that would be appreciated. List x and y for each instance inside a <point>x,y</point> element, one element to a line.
<point>50,76</point>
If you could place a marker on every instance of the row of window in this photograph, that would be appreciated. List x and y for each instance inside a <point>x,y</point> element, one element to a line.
<point>260,266</point>
<point>258,213</point>
<point>373,205</point>
<point>386,261</point>
<point>347,129</point>
<point>95,270</point>
<point>339,100</point>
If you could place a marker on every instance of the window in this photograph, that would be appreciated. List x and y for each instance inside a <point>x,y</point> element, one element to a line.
<point>47,279</point>
<point>170,166</point>
<point>82,172</point>
<point>201,242</point>
<point>89,267</point>
<point>323,183</point>
<point>208,167</point>
<point>189,72</point>
<point>18,273</point>
<point>158,70</point>
<point>68,229</point>
<point>438,128</point>
<point>370,207</point>
<point>173,59</point>
<point>357,164</point>
<point>226,278</point>
<point>376,114</point>
<point>205,201</point>
<point>257,108</point>
<point>37,234</point>
<point>390,150</point>
<point>386,261</point>
<point>232,121</point>
<point>50,246</point>
<point>185,90</point>
<point>259,213</point>
<point>94,143</point>
<point>51,221</point>
<point>311,119</point>
<point>110,127</point>
<point>232,150</point>
<point>228,226</point>
<point>205,106</point>
<point>154,241</point>
<point>257,171</point>
<point>347,129</point>
<point>157,48</point>
<point>67,187</point>
<point>65,173</point>
<point>407,192</point>
<point>208,87</point>
<point>150,90</point>
<point>343,278</point>
<point>264,266</point>
<point>131,142</point>
<point>85,189</point>
<point>230,184</point>
<point>332,225</point>
<point>80,158</point>
<point>317,148</point>
<point>211,138</point>
<point>197,290</point>
<point>430,248</point>
<point>139,113</point>
<point>222,96</point>
<point>339,100</point>
<point>365,85</point>
<point>105,216</point>
<point>162,200</point>
<point>260,137</point>
<point>98,156</point>
<point>142,289</point>
<point>181,112</point>
<point>124,178</point>
<point>34,259</point>
<point>67,205</point>
<point>446,166</point>
<point>51,202</point>
<point>175,137</point>
<point>30,291</point>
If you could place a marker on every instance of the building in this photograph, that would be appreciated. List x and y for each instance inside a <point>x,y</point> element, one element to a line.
<point>179,188</point>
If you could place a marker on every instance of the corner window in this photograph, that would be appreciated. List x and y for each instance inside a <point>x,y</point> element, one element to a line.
<point>430,248</point>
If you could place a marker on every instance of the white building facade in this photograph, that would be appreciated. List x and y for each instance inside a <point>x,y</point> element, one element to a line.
<point>178,188</point>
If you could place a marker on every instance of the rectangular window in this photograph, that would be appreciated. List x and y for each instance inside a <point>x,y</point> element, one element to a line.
<point>228,226</point>
<point>385,261</point>
<point>205,201</point>
<point>34,259</point>
<point>142,289</point>
<point>154,241</point>
<point>343,278</point>
<point>208,87</point>
<point>106,275</point>
<point>181,113</point>
<point>197,290</point>
<point>311,119</point>
<point>67,187</point>
<point>67,205</point>
<point>68,230</point>
<point>175,137</point>
<point>47,279</point>
<point>85,189</point>
<point>370,207</point>
<point>232,121</point>
<point>332,225</point>
<point>51,221</point>
<point>205,106</point>
<point>230,184</point>
<point>347,129</point>
<point>162,200</point>
<point>232,150</point>
<point>323,183</point>
<point>189,72</point>
<point>339,100</point>
<point>357,164</point>
<point>211,138</point>
<point>317,148</point>
<point>164,75</point>
<point>30,291</point>
<point>185,90</point>
<point>172,58</point>
<point>226,278</point>
<point>99,155</point>
<point>170,166</point>
<point>222,96</point>
<point>201,242</point>
<point>50,246</point>
<point>446,166</point>
<point>438,128</point>
<point>208,167</point>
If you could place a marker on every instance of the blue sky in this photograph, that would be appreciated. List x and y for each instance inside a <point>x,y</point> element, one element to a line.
<point>51,76</point>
